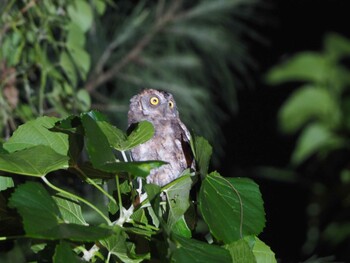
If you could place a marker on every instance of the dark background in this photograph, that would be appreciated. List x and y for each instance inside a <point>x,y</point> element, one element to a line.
<point>252,135</point>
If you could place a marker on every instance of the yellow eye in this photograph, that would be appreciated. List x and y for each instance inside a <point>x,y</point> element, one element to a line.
<point>171,104</point>
<point>154,101</point>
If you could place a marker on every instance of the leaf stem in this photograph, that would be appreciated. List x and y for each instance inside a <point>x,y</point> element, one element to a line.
<point>76,197</point>
<point>90,181</point>
<point>119,196</point>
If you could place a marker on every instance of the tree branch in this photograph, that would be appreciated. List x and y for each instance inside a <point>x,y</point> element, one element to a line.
<point>161,22</point>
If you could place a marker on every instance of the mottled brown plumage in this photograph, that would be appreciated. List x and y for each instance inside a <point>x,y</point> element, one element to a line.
<point>170,142</point>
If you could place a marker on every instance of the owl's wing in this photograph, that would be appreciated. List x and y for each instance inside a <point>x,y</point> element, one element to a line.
<point>186,147</point>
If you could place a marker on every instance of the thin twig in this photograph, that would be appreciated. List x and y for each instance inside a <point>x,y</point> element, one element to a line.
<point>136,50</point>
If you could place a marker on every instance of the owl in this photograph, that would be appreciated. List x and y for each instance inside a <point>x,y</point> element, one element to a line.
<point>170,142</point>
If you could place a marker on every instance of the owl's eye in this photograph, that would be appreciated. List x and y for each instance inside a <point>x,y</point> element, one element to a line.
<point>154,101</point>
<point>171,104</point>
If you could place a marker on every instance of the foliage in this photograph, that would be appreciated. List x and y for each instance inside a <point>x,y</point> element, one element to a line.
<point>135,223</point>
<point>64,56</point>
<point>318,111</point>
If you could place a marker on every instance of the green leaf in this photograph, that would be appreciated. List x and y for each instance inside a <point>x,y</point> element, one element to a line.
<point>178,198</point>
<point>306,104</point>
<point>84,100</point>
<point>142,132</point>
<point>5,182</point>
<point>190,250</point>
<point>35,161</point>
<point>117,245</point>
<point>35,133</point>
<point>305,66</point>
<point>116,138</point>
<point>137,169</point>
<point>180,228</point>
<point>221,203</point>
<point>68,67</point>
<point>336,45</point>
<point>81,59</point>
<point>70,210</point>
<point>64,253</point>
<point>314,138</point>
<point>42,218</point>
<point>81,14</point>
<point>241,252</point>
<point>263,253</point>
<point>96,142</point>
<point>202,152</point>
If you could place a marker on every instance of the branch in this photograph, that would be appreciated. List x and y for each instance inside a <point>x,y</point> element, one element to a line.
<point>161,22</point>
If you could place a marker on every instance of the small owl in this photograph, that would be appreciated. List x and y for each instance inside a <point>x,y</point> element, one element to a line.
<point>170,142</point>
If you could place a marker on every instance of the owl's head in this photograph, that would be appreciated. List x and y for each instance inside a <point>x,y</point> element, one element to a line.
<point>152,104</point>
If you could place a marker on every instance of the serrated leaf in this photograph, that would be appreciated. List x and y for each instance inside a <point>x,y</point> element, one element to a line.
<point>64,253</point>
<point>263,253</point>
<point>117,245</point>
<point>142,132</point>
<point>241,252</point>
<point>5,182</point>
<point>202,152</point>
<point>35,161</point>
<point>96,143</point>
<point>306,104</point>
<point>42,218</point>
<point>190,250</point>
<point>178,199</point>
<point>221,200</point>
<point>70,210</point>
<point>36,132</point>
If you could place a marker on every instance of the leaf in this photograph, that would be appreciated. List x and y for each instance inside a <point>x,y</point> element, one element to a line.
<point>5,182</point>
<point>314,138</point>
<point>306,104</point>
<point>42,218</point>
<point>81,14</point>
<point>180,228</point>
<point>263,253</point>
<point>96,143</point>
<point>336,45</point>
<point>305,66</point>
<point>70,210</point>
<point>64,254</point>
<point>116,138</point>
<point>178,199</point>
<point>241,252</point>
<point>220,202</point>
<point>142,132</point>
<point>203,152</point>
<point>190,250</point>
<point>118,246</point>
<point>137,169</point>
<point>35,161</point>
<point>35,133</point>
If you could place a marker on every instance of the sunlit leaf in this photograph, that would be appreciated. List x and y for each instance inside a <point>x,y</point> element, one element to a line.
<point>35,161</point>
<point>221,204</point>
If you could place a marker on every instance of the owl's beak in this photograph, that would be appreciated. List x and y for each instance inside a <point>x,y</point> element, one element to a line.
<point>163,108</point>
